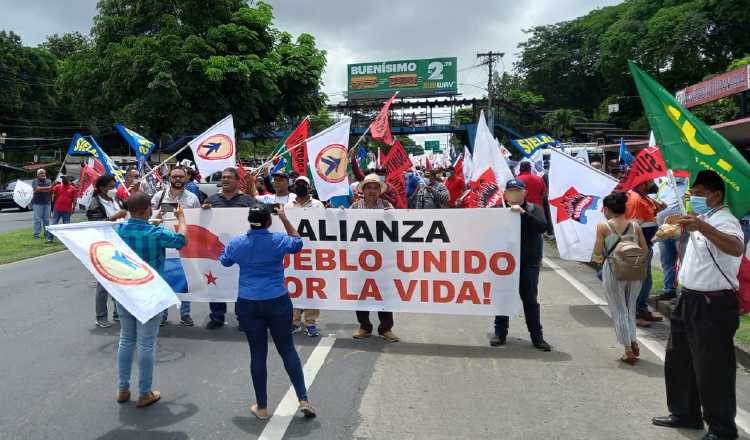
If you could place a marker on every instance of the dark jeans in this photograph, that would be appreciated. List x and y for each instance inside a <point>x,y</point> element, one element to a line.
<point>218,310</point>
<point>668,257</point>
<point>700,368</point>
<point>641,306</point>
<point>257,318</point>
<point>386,321</point>
<point>528,289</point>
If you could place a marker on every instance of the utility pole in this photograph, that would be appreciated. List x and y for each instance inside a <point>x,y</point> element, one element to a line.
<point>491,57</point>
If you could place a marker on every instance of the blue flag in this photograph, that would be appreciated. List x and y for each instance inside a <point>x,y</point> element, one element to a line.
<point>625,157</point>
<point>141,146</point>
<point>279,167</point>
<point>529,146</point>
<point>87,146</point>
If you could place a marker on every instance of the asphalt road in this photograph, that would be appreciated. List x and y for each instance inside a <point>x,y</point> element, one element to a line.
<point>14,219</point>
<point>442,381</point>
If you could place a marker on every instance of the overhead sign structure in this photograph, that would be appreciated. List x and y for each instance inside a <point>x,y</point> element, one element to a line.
<point>427,77</point>
<point>432,146</point>
<point>720,86</point>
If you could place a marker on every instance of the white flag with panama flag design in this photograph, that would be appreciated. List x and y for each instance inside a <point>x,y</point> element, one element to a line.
<point>215,149</point>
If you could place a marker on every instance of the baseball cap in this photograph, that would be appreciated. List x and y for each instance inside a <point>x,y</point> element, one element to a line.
<point>280,173</point>
<point>302,179</point>
<point>515,183</point>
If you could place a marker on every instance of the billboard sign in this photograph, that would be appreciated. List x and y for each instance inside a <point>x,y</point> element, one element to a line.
<point>432,146</point>
<point>411,78</point>
<point>720,86</point>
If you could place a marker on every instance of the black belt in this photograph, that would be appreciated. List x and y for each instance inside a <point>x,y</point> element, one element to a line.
<point>709,293</point>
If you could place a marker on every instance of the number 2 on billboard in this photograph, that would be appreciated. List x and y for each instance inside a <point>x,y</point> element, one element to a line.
<point>436,70</point>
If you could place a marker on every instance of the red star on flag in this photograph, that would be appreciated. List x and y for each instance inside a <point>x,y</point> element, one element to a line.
<point>573,205</point>
<point>210,278</point>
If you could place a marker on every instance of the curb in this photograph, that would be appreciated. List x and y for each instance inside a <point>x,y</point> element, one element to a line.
<point>742,352</point>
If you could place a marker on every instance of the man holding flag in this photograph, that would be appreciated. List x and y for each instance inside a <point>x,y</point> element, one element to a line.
<point>700,366</point>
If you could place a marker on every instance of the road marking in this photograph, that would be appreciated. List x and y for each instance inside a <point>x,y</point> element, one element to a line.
<point>284,413</point>
<point>2,266</point>
<point>742,419</point>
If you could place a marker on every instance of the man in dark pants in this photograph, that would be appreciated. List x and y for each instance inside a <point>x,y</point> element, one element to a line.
<point>533,226</point>
<point>700,368</point>
<point>229,197</point>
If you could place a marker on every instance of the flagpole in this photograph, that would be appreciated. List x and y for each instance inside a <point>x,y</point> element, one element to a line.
<point>165,161</point>
<point>292,148</point>
<point>62,166</point>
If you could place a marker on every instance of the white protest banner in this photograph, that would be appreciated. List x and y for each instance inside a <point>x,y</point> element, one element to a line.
<point>328,154</point>
<point>132,282</point>
<point>576,191</point>
<point>423,261</point>
<point>22,193</point>
<point>215,149</point>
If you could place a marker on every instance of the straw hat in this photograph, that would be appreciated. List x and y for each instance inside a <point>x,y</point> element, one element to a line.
<point>372,178</point>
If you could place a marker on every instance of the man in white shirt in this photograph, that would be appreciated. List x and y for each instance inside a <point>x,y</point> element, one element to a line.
<point>700,366</point>
<point>166,200</point>
<point>282,196</point>
<point>669,249</point>
<point>304,199</point>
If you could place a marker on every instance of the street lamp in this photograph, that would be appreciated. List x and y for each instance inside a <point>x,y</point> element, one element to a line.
<point>2,142</point>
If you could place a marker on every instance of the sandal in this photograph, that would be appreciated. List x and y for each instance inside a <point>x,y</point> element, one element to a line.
<point>636,348</point>
<point>257,412</point>
<point>629,358</point>
<point>307,410</point>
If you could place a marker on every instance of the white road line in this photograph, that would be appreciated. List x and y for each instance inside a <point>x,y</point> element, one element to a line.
<point>284,414</point>
<point>656,347</point>
<point>585,291</point>
<point>27,260</point>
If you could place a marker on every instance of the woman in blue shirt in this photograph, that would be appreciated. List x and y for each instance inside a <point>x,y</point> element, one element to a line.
<point>263,302</point>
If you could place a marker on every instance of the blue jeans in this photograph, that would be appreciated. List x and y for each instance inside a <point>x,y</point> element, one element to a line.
<point>668,257</point>
<point>57,216</point>
<point>641,305</point>
<point>41,217</point>
<point>132,332</point>
<point>746,230</point>
<point>184,310</point>
<point>257,318</point>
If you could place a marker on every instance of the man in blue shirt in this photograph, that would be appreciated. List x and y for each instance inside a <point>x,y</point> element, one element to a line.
<point>263,302</point>
<point>150,243</point>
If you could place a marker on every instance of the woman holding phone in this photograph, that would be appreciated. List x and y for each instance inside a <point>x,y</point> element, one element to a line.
<point>263,303</point>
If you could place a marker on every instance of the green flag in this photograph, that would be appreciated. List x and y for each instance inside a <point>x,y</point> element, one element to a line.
<point>687,143</point>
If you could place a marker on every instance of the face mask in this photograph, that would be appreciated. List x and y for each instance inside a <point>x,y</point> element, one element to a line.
<point>514,198</point>
<point>381,178</point>
<point>301,190</point>
<point>699,205</point>
<point>112,193</point>
<point>427,181</point>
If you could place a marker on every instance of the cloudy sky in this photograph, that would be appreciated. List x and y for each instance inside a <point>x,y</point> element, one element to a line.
<point>354,31</point>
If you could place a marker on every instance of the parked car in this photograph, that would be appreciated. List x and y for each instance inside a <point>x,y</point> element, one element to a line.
<point>6,196</point>
<point>212,185</point>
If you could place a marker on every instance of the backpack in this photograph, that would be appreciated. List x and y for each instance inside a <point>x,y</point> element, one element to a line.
<point>626,258</point>
<point>743,294</point>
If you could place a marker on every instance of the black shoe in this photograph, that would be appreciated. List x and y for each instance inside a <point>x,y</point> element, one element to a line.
<point>666,296</point>
<point>497,341</point>
<point>187,321</point>
<point>671,421</point>
<point>541,344</point>
<point>163,322</point>
<point>213,325</point>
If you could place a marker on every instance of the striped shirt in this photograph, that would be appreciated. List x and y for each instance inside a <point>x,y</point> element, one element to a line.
<point>150,241</point>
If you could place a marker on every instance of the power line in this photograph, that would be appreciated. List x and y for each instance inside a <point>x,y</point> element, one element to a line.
<point>5,118</point>
<point>491,57</point>
<point>46,127</point>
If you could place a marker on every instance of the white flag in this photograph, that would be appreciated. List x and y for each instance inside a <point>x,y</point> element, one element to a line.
<point>575,200</point>
<point>583,156</point>
<point>22,193</point>
<point>537,163</point>
<point>132,282</point>
<point>487,155</point>
<point>467,165</point>
<point>328,156</point>
<point>215,149</point>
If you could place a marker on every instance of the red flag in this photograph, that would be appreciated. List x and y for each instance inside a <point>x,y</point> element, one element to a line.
<point>484,192</point>
<point>380,128</point>
<point>458,167</point>
<point>428,166</point>
<point>398,182</point>
<point>299,154</point>
<point>649,164</point>
<point>396,161</point>
<point>86,179</point>
<point>242,173</point>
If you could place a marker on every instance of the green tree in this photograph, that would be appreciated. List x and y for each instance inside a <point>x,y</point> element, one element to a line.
<point>182,65</point>
<point>560,122</point>
<point>65,45</point>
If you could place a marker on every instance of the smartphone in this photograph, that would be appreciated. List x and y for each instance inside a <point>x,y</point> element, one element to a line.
<point>168,207</point>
